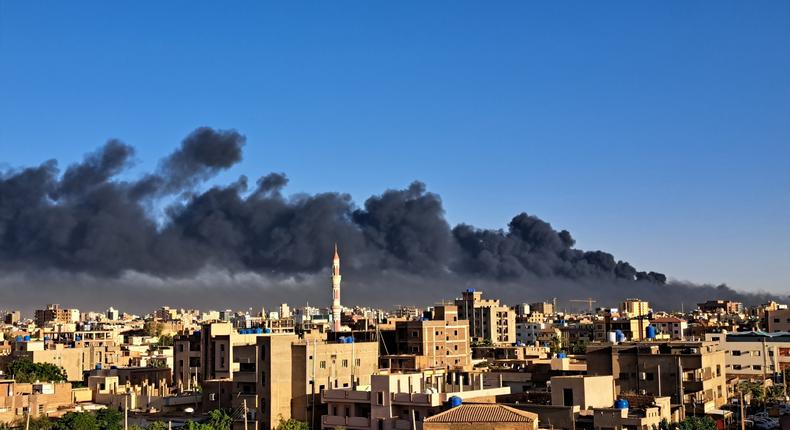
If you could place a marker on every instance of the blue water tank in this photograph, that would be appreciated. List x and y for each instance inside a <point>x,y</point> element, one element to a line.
<point>470,290</point>
<point>46,338</point>
<point>455,401</point>
<point>350,339</point>
<point>258,330</point>
<point>77,337</point>
<point>27,338</point>
<point>562,355</point>
<point>619,335</point>
<point>621,404</point>
<point>98,366</point>
<point>19,338</point>
<point>651,332</point>
<point>341,339</point>
<point>267,330</point>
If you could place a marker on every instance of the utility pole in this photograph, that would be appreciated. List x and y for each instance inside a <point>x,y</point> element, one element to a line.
<point>27,420</point>
<point>245,413</point>
<point>126,412</point>
<point>740,403</point>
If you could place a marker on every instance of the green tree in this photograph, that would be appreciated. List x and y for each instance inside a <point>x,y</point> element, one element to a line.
<point>292,424</point>
<point>77,421</point>
<point>157,425</point>
<point>219,419</point>
<point>153,328</point>
<point>109,419</point>
<point>697,423</point>
<point>24,370</point>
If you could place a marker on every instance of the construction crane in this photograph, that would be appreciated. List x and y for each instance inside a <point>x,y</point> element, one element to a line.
<point>588,300</point>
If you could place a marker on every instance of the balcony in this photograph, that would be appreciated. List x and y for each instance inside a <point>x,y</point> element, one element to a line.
<point>415,398</point>
<point>345,395</point>
<point>336,421</point>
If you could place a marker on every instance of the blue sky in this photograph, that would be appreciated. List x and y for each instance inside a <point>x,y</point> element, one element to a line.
<point>658,131</point>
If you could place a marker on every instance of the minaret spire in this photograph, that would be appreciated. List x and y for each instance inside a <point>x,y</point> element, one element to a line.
<point>336,291</point>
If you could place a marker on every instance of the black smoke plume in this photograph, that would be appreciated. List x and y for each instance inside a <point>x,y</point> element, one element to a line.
<point>87,230</point>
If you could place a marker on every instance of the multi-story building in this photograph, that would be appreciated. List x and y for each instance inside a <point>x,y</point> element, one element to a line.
<point>439,342</point>
<point>633,329</point>
<point>276,375</point>
<point>56,315</point>
<point>542,307</point>
<point>778,320</point>
<point>17,400</point>
<point>753,354</point>
<point>488,319</point>
<point>691,373</point>
<point>527,332</point>
<point>634,308</point>
<point>397,400</point>
<point>674,328</point>
<point>721,306</point>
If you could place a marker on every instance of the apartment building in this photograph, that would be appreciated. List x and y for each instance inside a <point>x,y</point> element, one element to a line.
<point>633,329</point>
<point>674,328</point>
<point>634,308</point>
<point>721,307</point>
<point>691,373</point>
<point>54,314</point>
<point>41,398</point>
<point>488,319</point>
<point>276,375</point>
<point>527,332</point>
<point>396,400</point>
<point>753,354</point>
<point>439,342</point>
<point>777,320</point>
<point>75,359</point>
<point>544,308</point>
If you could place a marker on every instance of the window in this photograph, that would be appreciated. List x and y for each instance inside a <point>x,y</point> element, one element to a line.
<point>344,363</point>
<point>322,364</point>
<point>263,378</point>
<point>380,398</point>
<point>736,353</point>
<point>357,362</point>
<point>757,367</point>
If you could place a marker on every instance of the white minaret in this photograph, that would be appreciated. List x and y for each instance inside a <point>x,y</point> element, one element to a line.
<point>336,291</point>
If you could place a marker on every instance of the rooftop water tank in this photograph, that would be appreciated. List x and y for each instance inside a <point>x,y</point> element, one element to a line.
<point>470,290</point>
<point>611,337</point>
<point>19,338</point>
<point>620,335</point>
<point>621,404</point>
<point>27,338</point>
<point>267,330</point>
<point>258,330</point>
<point>651,332</point>
<point>98,366</point>
<point>562,355</point>
<point>455,401</point>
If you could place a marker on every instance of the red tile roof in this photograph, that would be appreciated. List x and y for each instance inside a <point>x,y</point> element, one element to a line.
<point>492,413</point>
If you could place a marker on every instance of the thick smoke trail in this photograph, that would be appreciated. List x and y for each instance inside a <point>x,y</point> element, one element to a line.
<point>87,227</point>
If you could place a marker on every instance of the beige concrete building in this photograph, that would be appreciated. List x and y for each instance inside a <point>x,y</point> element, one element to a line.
<point>674,328</point>
<point>777,320</point>
<point>753,354</point>
<point>587,392</point>
<point>634,308</point>
<point>395,400</point>
<point>482,417</point>
<point>16,399</point>
<point>691,373</point>
<point>441,342</point>
<point>75,361</point>
<point>276,375</point>
<point>488,319</point>
<point>54,314</point>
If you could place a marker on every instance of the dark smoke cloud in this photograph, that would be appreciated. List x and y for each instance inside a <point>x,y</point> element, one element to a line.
<point>88,227</point>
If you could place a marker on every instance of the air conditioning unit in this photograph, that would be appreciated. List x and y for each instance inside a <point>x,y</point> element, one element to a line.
<point>212,397</point>
<point>642,376</point>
